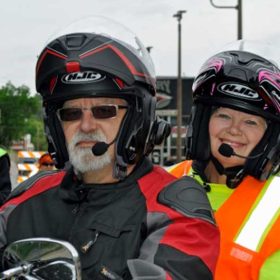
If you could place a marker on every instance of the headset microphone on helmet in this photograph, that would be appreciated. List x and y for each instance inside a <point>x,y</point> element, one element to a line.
<point>227,151</point>
<point>101,148</point>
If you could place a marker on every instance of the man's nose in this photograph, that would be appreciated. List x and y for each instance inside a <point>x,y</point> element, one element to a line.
<point>88,122</point>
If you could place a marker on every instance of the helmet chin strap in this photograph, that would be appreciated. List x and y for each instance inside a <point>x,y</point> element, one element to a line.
<point>234,174</point>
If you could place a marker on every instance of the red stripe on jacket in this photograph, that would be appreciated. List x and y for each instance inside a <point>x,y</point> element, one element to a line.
<point>195,241</point>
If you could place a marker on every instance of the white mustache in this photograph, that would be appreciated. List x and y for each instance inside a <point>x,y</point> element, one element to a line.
<point>83,159</point>
<point>96,137</point>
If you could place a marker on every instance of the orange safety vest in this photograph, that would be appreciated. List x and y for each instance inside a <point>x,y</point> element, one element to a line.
<point>249,221</point>
<point>180,169</point>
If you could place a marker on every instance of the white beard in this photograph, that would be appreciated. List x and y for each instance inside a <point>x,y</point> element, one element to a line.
<point>83,159</point>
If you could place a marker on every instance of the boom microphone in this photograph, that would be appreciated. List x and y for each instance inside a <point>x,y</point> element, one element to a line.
<point>101,148</point>
<point>227,151</point>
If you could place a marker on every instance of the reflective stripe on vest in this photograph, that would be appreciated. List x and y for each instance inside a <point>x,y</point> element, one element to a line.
<point>262,217</point>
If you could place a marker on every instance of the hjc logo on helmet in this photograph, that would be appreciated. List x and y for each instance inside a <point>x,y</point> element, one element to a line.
<point>238,90</point>
<point>82,77</point>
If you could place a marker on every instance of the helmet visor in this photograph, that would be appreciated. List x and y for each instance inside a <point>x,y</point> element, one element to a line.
<point>112,29</point>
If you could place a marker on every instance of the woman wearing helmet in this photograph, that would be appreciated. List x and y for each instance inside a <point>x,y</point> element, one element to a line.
<point>233,150</point>
<point>121,213</point>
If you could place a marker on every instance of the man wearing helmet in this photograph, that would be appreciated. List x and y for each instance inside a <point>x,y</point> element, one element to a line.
<point>121,213</point>
<point>233,140</point>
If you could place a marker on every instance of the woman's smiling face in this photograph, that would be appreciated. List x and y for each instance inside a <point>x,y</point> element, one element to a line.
<point>240,130</point>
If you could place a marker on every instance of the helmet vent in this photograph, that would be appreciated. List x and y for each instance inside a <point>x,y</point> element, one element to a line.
<point>73,66</point>
<point>238,73</point>
<point>75,40</point>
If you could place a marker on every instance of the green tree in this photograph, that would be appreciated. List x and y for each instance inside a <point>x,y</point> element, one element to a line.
<point>35,127</point>
<point>20,113</point>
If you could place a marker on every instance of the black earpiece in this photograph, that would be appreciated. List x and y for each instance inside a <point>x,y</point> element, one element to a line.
<point>161,131</point>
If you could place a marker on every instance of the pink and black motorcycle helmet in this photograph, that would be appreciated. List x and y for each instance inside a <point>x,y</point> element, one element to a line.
<point>86,64</point>
<point>242,81</point>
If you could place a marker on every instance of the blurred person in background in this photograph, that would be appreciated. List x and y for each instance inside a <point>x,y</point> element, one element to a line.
<point>45,163</point>
<point>5,180</point>
<point>233,151</point>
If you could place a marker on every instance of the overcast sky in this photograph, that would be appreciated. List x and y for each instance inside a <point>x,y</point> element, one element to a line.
<point>25,26</point>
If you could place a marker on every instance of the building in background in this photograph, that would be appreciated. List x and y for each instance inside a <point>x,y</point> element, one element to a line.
<point>167,109</point>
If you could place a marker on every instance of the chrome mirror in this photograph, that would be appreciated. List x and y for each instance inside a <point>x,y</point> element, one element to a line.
<point>41,258</point>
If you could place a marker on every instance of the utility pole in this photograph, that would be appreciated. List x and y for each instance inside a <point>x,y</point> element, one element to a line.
<point>179,16</point>
<point>238,7</point>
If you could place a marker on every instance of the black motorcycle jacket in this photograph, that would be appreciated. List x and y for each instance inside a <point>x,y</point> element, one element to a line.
<point>148,225</point>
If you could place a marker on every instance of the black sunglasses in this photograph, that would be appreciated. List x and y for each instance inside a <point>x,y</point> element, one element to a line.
<point>99,112</point>
<point>48,164</point>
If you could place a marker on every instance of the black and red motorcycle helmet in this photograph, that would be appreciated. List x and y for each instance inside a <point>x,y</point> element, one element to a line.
<point>95,64</point>
<point>242,81</point>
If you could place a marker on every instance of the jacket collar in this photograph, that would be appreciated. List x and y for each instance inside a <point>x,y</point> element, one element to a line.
<point>74,190</point>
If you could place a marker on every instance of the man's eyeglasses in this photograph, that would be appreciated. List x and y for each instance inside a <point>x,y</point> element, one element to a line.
<point>99,112</point>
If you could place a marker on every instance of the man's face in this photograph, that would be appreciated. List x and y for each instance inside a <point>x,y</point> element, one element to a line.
<point>83,130</point>
<point>240,130</point>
